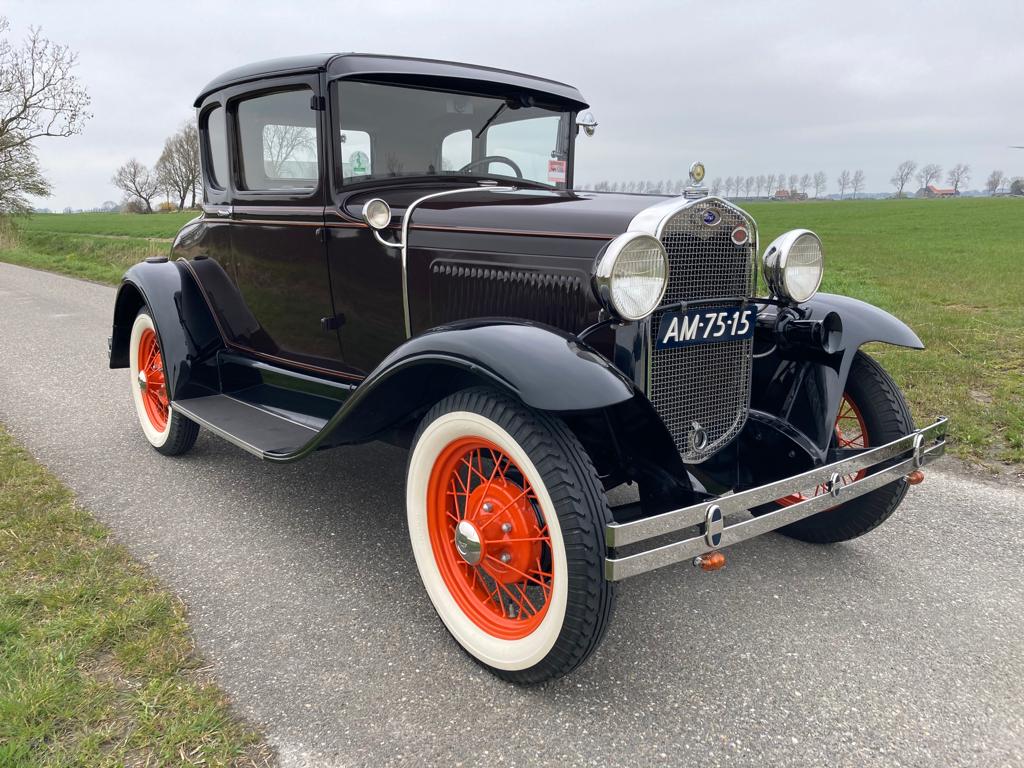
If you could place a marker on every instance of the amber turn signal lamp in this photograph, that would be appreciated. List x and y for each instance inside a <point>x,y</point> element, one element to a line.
<point>916,477</point>
<point>712,561</point>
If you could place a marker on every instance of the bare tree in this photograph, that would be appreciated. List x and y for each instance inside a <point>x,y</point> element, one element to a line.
<point>959,174</point>
<point>904,172</point>
<point>794,182</point>
<point>39,97</point>
<point>782,181</point>
<point>137,182</point>
<point>995,181</point>
<point>820,183</point>
<point>769,184</point>
<point>178,166</point>
<point>728,185</point>
<point>759,183</point>
<point>928,174</point>
<point>748,185</point>
<point>844,183</point>
<point>857,182</point>
<point>805,183</point>
<point>716,185</point>
<point>284,144</point>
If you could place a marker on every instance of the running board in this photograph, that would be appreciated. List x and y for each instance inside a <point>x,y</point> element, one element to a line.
<point>251,427</point>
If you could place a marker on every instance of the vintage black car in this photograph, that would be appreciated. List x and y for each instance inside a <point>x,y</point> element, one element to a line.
<point>392,249</point>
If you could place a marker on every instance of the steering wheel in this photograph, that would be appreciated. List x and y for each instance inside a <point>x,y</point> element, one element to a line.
<point>493,159</point>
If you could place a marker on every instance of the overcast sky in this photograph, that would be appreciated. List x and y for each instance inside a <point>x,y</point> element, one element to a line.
<point>747,87</point>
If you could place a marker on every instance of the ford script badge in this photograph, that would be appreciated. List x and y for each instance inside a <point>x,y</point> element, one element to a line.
<point>711,217</point>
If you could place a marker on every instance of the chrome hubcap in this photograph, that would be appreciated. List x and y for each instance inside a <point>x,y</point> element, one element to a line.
<point>467,542</point>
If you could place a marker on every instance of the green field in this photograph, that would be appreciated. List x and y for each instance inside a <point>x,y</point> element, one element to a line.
<point>158,225</point>
<point>952,269</point>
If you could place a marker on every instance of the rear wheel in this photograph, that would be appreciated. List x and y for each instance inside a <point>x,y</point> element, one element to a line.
<point>165,429</point>
<point>506,516</point>
<point>872,412</point>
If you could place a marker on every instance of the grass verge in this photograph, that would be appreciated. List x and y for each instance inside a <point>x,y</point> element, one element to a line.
<point>96,664</point>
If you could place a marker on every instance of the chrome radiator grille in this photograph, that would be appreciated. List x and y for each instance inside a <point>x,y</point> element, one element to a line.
<point>702,392</point>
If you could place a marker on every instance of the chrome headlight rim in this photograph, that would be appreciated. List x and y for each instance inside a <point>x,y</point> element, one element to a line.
<point>604,269</point>
<point>377,214</point>
<point>776,259</point>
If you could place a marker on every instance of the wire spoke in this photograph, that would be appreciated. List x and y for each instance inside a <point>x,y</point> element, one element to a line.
<point>525,575</point>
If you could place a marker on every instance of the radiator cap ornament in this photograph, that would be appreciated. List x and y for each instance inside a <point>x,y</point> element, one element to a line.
<point>697,172</point>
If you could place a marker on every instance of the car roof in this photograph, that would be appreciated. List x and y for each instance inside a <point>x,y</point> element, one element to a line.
<point>395,69</point>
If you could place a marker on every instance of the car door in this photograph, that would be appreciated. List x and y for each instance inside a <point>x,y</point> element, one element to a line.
<point>366,276</point>
<point>278,246</point>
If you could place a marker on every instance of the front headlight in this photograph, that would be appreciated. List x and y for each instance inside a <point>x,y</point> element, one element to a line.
<point>631,275</point>
<point>794,264</point>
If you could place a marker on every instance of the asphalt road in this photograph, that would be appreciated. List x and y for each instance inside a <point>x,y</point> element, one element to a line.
<point>905,647</point>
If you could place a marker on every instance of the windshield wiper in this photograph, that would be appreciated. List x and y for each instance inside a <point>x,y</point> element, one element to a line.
<point>491,119</point>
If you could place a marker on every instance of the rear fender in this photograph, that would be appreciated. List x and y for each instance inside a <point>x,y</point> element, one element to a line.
<point>189,339</point>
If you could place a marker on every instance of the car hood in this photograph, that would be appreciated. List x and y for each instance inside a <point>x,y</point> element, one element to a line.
<point>590,215</point>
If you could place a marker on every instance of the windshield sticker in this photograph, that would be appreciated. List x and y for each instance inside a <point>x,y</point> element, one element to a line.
<point>556,171</point>
<point>359,163</point>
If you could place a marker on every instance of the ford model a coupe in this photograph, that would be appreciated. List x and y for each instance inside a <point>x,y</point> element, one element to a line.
<point>391,249</point>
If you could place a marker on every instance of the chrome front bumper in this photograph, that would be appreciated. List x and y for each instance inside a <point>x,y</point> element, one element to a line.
<point>709,517</point>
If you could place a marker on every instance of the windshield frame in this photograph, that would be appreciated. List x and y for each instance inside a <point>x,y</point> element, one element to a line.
<point>335,109</point>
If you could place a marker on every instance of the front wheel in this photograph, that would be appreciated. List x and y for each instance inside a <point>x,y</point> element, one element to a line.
<point>166,430</point>
<point>506,515</point>
<point>872,412</point>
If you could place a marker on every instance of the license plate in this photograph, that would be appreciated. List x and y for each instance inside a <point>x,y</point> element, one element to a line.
<point>706,325</point>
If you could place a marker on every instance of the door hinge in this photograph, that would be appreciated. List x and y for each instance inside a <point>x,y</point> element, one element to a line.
<point>319,103</point>
<point>332,323</point>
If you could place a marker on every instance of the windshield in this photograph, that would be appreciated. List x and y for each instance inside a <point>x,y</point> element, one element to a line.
<point>389,131</point>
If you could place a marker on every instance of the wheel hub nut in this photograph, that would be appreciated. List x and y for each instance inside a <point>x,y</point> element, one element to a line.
<point>467,542</point>
<point>142,380</point>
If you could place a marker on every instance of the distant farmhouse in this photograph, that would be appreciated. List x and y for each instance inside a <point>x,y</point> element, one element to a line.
<point>786,194</point>
<point>932,191</point>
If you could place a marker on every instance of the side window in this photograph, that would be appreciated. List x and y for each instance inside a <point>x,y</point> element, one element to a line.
<point>356,154</point>
<point>456,150</point>
<point>277,136</point>
<point>217,148</point>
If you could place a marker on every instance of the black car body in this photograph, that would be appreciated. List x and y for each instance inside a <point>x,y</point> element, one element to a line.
<point>287,323</point>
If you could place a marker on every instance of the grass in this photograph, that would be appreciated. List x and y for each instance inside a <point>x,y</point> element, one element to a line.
<point>951,269</point>
<point>96,664</point>
<point>90,257</point>
<point>159,225</point>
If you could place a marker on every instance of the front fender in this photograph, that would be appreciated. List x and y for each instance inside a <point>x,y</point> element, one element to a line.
<point>188,335</point>
<point>802,387</point>
<point>544,367</point>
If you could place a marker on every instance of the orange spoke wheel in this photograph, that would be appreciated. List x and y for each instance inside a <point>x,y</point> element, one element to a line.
<point>851,432</point>
<point>152,382</point>
<point>489,538</point>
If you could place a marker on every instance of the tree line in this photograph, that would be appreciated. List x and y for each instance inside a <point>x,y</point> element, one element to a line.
<point>800,185</point>
<point>748,186</point>
<point>958,176</point>
<point>176,173</point>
